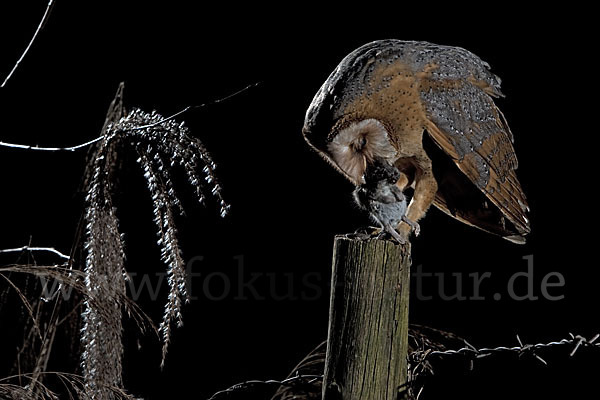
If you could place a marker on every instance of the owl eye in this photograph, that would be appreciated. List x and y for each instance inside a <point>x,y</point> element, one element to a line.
<point>361,143</point>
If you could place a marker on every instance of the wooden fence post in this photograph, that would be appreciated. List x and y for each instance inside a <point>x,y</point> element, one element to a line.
<point>368,320</point>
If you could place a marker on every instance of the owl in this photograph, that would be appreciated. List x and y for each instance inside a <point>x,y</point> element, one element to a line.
<point>382,98</point>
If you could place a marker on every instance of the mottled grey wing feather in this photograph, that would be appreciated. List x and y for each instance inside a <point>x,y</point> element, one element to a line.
<point>466,124</point>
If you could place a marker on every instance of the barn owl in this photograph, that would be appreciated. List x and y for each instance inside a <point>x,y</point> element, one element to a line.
<point>379,101</point>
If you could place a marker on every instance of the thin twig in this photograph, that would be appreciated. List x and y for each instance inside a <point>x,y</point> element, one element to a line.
<point>74,380</point>
<point>37,31</point>
<point>80,146</point>
<point>29,248</point>
<point>188,108</point>
<point>25,303</point>
<point>271,382</point>
<point>28,147</point>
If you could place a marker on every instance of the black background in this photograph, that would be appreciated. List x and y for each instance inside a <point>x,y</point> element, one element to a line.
<point>287,204</point>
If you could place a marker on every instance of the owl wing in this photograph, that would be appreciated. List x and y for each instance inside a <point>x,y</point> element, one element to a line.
<point>464,122</point>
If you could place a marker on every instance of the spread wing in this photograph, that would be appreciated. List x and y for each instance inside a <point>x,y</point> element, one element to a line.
<point>464,122</point>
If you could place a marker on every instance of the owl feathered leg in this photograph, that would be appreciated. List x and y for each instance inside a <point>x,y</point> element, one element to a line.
<point>425,190</point>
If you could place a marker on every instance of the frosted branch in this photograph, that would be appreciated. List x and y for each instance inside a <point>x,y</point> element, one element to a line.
<point>32,249</point>
<point>37,31</point>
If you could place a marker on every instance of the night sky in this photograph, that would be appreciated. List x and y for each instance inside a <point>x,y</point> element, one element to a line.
<point>261,275</point>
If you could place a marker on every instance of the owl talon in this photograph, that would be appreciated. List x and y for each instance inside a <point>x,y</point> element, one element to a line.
<point>364,233</point>
<point>415,227</point>
<point>407,227</point>
<point>358,235</point>
<point>367,230</point>
<point>389,230</point>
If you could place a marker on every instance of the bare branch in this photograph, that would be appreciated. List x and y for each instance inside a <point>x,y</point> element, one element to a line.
<point>37,31</point>
<point>188,108</point>
<point>28,147</point>
<point>82,145</point>
<point>29,248</point>
<point>294,380</point>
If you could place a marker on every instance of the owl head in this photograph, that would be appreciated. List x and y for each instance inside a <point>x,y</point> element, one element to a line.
<point>347,139</point>
<point>352,148</point>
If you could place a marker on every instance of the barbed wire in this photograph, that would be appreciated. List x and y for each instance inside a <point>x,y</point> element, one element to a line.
<point>522,349</point>
<point>419,356</point>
